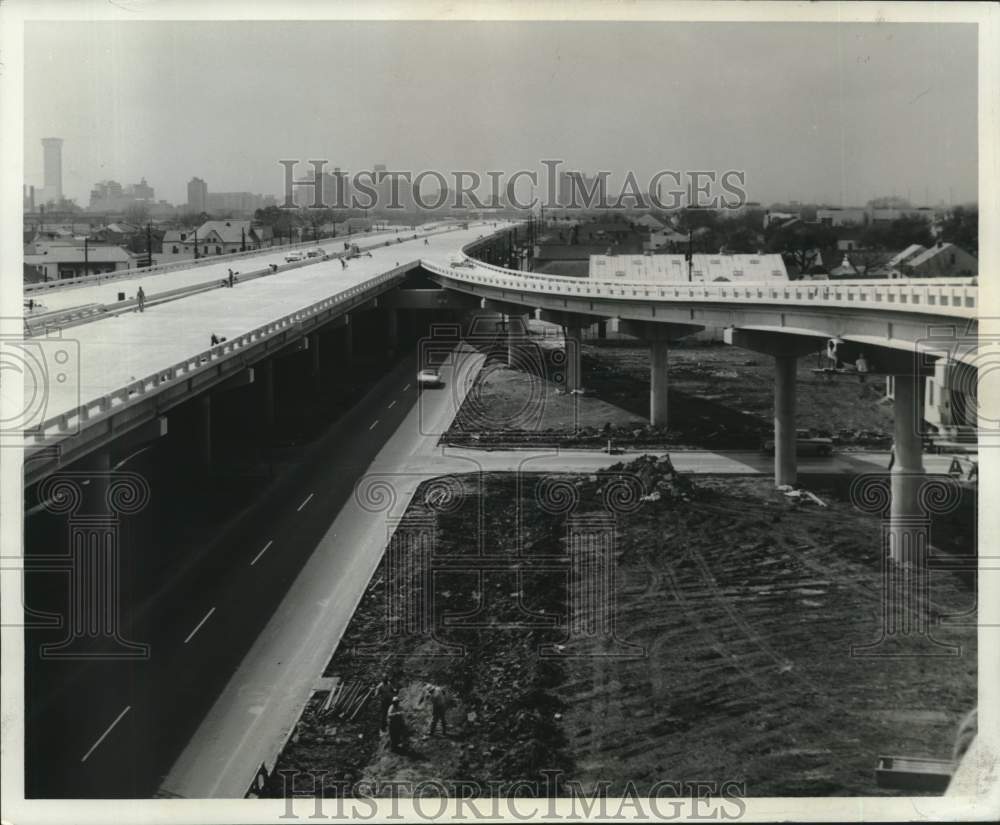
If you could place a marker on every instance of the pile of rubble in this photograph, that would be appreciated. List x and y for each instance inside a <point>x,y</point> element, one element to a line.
<point>656,477</point>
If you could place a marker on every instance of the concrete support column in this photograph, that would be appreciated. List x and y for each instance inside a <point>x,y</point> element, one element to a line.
<point>316,367</point>
<point>267,390</point>
<point>602,329</point>
<point>204,405</point>
<point>392,332</point>
<point>348,353</point>
<point>513,326</point>
<point>658,376</point>
<point>574,370</point>
<point>785,464</point>
<point>908,467</point>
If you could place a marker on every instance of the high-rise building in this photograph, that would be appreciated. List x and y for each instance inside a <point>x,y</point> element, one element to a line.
<point>197,195</point>
<point>52,147</point>
<point>106,194</point>
<point>141,191</point>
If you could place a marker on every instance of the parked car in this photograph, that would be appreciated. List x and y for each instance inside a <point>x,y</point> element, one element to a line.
<point>315,253</point>
<point>806,443</point>
<point>429,377</point>
<point>292,257</point>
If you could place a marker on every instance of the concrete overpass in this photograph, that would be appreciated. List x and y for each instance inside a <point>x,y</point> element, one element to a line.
<point>96,377</point>
<point>124,371</point>
<point>903,327</point>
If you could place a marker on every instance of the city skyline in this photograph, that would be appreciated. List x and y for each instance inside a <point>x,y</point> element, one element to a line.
<point>847,112</point>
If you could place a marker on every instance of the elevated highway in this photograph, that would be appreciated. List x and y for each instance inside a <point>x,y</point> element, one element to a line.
<point>124,371</point>
<point>901,327</point>
<point>111,373</point>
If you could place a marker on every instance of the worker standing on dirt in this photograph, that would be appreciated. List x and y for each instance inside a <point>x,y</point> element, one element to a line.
<point>140,299</point>
<point>384,692</point>
<point>862,366</point>
<point>397,725</point>
<point>439,704</point>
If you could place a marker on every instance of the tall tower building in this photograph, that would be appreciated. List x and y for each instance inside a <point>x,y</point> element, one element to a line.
<point>53,168</point>
<point>197,195</point>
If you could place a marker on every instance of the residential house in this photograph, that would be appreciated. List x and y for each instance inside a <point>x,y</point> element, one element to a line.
<point>841,216</point>
<point>651,223</point>
<point>781,218</point>
<point>664,239</point>
<point>226,237</point>
<point>943,260</point>
<point>55,261</point>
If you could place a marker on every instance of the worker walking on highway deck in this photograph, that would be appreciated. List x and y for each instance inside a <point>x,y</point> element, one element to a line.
<point>439,704</point>
<point>231,278</point>
<point>140,300</point>
<point>384,692</point>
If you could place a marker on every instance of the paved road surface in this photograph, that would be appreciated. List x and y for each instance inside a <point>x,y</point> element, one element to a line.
<point>116,351</point>
<point>261,704</point>
<point>116,729</point>
<point>202,271</point>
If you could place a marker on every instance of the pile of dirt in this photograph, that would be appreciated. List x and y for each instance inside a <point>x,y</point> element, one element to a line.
<point>727,656</point>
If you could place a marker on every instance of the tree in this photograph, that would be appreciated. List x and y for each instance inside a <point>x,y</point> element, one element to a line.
<point>800,243</point>
<point>961,228</point>
<point>741,240</point>
<point>137,213</point>
<point>898,234</point>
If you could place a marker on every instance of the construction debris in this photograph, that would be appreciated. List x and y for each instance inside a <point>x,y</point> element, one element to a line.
<point>346,700</point>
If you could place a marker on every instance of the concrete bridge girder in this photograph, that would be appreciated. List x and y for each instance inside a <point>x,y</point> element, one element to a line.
<point>507,308</point>
<point>900,330</point>
<point>430,299</point>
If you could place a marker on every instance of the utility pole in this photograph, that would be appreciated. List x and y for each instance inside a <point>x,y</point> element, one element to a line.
<point>690,255</point>
<point>149,243</point>
<point>243,239</point>
<point>196,244</point>
<point>86,257</point>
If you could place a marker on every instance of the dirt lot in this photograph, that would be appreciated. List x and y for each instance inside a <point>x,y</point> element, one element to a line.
<point>743,603</point>
<point>719,397</point>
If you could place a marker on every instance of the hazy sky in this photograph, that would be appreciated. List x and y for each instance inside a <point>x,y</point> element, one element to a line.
<point>833,112</point>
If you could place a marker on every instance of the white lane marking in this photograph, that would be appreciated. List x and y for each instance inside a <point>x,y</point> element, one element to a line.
<point>261,553</point>
<point>393,404</point>
<point>304,503</point>
<point>198,626</point>
<point>374,425</point>
<point>103,735</point>
<point>406,388</point>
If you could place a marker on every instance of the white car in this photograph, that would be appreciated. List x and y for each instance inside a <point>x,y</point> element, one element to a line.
<point>429,377</point>
<point>460,261</point>
<point>292,257</point>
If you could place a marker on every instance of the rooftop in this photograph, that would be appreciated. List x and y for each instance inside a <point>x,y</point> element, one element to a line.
<point>674,268</point>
